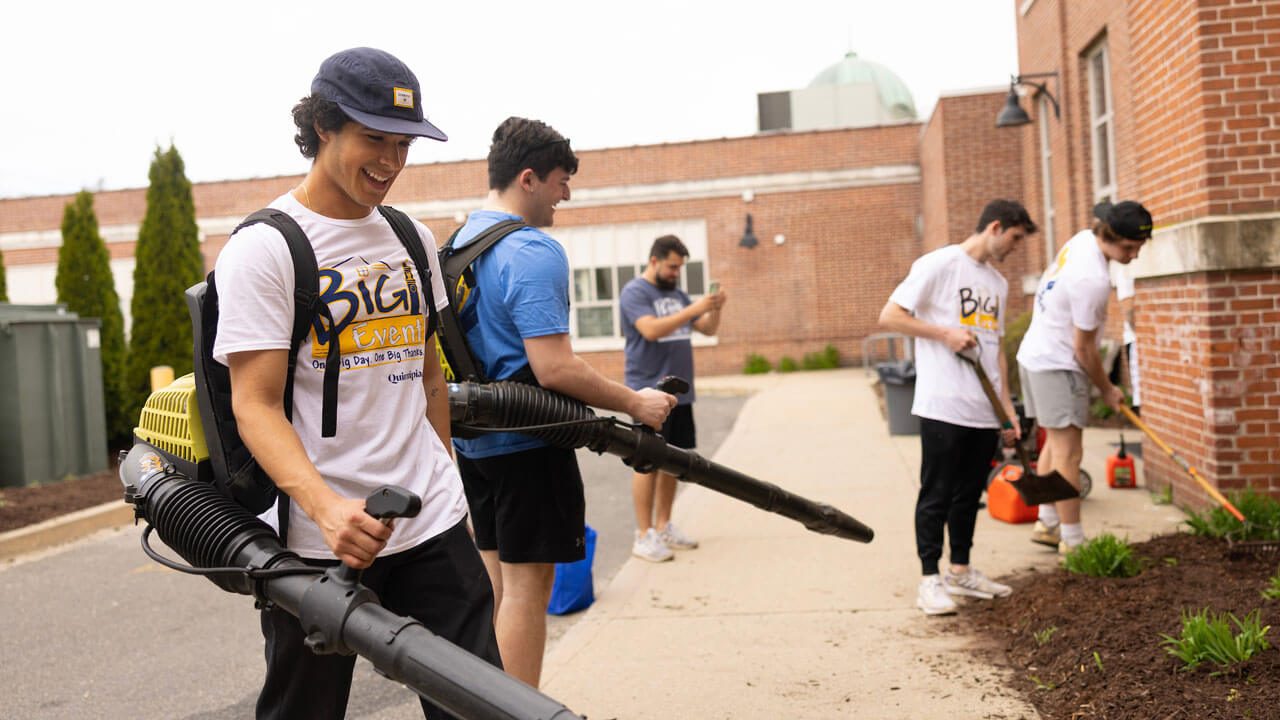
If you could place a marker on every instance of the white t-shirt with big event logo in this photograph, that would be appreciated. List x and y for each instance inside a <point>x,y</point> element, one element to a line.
<point>1072,294</point>
<point>383,437</point>
<point>948,287</point>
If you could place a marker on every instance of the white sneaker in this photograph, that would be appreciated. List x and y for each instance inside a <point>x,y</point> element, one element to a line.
<point>974,584</point>
<point>675,539</point>
<point>1049,535</point>
<point>932,598</point>
<point>649,546</point>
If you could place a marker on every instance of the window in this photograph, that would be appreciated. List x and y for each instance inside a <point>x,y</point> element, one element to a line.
<point>1102,131</point>
<point>1046,182</point>
<point>604,258</point>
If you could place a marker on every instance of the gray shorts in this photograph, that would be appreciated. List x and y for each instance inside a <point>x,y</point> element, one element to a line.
<point>1056,398</point>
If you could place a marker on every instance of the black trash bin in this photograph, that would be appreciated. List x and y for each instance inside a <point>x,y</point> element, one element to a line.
<point>899,381</point>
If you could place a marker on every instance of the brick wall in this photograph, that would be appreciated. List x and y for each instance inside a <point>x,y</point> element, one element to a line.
<point>966,161</point>
<point>1210,361</point>
<point>1194,87</point>
<point>1240,66</point>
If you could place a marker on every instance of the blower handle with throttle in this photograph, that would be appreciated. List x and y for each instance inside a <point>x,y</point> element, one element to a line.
<point>238,552</point>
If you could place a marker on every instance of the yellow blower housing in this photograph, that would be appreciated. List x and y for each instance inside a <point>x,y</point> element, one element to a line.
<point>170,423</point>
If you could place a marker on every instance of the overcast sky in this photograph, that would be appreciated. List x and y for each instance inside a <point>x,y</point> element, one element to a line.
<point>91,88</point>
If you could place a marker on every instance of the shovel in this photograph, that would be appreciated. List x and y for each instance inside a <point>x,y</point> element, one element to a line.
<point>1033,489</point>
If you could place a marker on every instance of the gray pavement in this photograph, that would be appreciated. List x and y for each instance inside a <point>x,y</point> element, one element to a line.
<point>765,619</point>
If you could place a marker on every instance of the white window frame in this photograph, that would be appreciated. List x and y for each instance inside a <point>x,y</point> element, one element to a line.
<point>592,247</point>
<point>1101,122</point>
<point>1046,181</point>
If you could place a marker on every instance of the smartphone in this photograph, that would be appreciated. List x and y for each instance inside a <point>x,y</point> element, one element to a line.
<point>715,286</point>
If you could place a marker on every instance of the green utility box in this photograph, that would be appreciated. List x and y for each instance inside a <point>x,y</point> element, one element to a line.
<point>52,416</point>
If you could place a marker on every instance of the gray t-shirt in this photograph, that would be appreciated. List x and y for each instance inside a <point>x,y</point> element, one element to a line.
<point>647,361</point>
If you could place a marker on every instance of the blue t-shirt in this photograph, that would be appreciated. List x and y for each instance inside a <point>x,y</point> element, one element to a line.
<point>647,361</point>
<point>521,291</point>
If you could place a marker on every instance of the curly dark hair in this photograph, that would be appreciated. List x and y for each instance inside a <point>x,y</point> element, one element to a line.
<point>519,143</point>
<point>311,111</point>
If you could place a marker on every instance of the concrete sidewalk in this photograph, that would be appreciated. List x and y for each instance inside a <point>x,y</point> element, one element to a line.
<point>767,619</point>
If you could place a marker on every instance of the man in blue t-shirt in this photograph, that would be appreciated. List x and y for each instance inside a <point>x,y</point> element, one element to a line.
<point>658,318</point>
<point>526,498</point>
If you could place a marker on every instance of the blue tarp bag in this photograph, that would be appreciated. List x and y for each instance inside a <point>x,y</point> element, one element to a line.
<point>572,589</point>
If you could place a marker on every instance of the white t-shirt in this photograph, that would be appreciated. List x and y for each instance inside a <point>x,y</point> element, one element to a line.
<point>1072,294</point>
<point>1122,278</point>
<point>947,287</point>
<point>383,437</point>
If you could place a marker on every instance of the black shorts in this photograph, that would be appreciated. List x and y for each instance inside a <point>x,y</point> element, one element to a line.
<point>678,429</point>
<point>528,505</point>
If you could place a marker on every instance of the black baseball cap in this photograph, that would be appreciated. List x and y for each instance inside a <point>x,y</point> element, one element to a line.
<point>376,90</point>
<point>1129,219</point>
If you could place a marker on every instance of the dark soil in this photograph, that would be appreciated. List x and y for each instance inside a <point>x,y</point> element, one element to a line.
<point>1122,620</point>
<point>24,506</point>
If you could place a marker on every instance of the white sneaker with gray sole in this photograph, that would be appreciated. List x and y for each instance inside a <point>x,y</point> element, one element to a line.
<point>649,546</point>
<point>675,539</point>
<point>974,584</point>
<point>933,599</point>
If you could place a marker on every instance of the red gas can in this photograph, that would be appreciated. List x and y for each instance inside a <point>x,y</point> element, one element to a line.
<point>1120,468</point>
<point>1003,502</point>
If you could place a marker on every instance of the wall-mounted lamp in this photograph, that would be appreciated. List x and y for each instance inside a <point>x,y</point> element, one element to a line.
<point>1013,115</point>
<point>748,239</point>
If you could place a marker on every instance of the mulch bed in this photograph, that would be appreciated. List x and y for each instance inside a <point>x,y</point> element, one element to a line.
<point>1122,620</point>
<point>24,506</point>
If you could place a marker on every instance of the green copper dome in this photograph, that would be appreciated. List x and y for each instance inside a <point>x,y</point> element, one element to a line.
<point>853,70</point>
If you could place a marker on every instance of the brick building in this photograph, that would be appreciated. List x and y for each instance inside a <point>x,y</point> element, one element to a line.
<point>1175,103</point>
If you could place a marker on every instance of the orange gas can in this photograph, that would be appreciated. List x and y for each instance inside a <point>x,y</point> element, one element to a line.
<point>1120,468</point>
<point>1003,502</point>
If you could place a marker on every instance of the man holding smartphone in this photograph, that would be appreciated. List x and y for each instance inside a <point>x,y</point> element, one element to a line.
<point>658,319</point>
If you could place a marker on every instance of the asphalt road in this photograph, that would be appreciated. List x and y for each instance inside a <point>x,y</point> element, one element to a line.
<point>96,630</point>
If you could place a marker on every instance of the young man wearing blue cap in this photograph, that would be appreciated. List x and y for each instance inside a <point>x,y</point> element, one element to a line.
<point>363,113</point>
<point>1059,355</point>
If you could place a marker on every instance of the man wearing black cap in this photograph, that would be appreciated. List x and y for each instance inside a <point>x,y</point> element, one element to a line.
<point>1059,355</point>
<point>364,111</point>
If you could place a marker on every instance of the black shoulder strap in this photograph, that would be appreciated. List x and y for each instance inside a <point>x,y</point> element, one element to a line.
<point>308,307</point>
<point>469,252</point>
<point>454,262</point>
<point>412,241</point>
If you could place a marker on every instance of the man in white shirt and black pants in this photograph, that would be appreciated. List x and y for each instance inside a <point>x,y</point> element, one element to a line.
<point>953,300</point>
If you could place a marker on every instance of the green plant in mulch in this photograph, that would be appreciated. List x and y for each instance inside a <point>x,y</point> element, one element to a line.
<point>756,365</point>
<point>1104,556</point>
<point>1262,512</point>
<point>1044,636</point>
<point>1208,637</point>
<point>1270,593</point>
<point>788,364</point>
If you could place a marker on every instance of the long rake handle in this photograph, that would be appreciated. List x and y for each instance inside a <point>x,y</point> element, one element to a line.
<point>1213,492</point>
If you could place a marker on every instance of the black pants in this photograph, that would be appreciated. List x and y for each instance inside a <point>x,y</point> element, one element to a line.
<point>442,583</point>
<point>954,464</point>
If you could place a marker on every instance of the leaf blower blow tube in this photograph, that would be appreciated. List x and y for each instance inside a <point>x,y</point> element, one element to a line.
<point>563,422</point>
<point>242,554</point>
